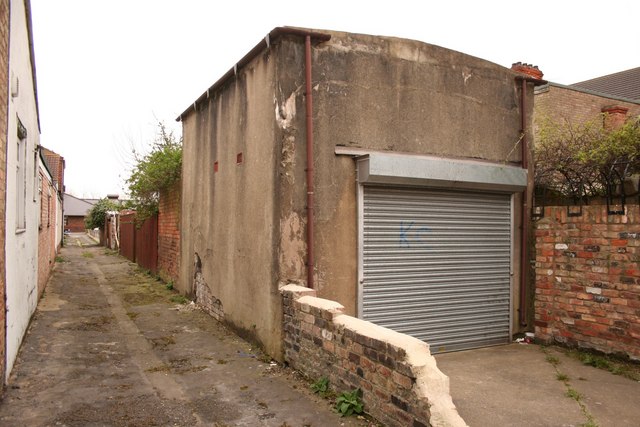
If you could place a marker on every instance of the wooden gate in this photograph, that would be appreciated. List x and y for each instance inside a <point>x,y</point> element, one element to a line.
<point>139,244</point>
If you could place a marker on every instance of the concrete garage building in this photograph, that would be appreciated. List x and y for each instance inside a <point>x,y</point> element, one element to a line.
<point>385,173</point>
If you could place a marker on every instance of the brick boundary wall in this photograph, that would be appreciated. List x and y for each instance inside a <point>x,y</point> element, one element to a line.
<point>401,384</point>
<point>169,234</point>
<point>588,279</point>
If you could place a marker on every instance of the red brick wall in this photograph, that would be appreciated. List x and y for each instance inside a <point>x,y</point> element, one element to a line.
<point>75,224</point>
<point>588,279</point>
<point>4,103</point>
<point>46,233</point>
<point>169,234</point>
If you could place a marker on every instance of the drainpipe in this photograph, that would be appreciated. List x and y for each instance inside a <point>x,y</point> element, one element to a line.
<point>524,238</point>
<point>310,197</point>
<point>257,50</point>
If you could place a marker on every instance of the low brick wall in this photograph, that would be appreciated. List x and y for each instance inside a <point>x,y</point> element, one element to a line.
<point>401,384</point>
<point>588,279</point>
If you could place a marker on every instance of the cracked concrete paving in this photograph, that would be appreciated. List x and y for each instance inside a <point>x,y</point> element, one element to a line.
<point>108,347</point>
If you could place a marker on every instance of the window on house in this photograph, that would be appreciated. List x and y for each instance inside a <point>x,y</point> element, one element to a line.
<point>21,177</point>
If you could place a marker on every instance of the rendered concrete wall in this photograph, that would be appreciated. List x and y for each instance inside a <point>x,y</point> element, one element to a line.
<point>4,93</point>
<point>246,222</point>
<point>21,243</point>
<point>228,225</point>
<point>384,94</point>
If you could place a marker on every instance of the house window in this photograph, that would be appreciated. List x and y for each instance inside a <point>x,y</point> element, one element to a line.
<point>21,177</point>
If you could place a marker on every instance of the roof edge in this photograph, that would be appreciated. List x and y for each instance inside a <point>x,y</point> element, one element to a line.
<point>265,43</point>
<point>590,92</point>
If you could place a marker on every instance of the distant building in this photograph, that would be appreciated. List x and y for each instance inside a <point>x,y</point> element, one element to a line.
<point>75,210</point>
<point>616,95</point>
<point>623,84</point>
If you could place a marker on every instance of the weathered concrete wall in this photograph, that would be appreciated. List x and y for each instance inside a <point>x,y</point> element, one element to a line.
<point>22,211</point>
<point>399,379</point>
<point>169,234</point>
<point>228,225</point>
<point>243,224</point>
<point>382,94</point>
<point>588,279</point>
<point>4,100</point>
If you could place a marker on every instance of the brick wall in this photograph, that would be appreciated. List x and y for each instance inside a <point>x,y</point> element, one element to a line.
<point>575,106</point>
<point>46,233</point>
<point>400,381</point>
<point>588,279</point>
<point>169,233</point>
<point>4,103</point>
<point>75,224</point>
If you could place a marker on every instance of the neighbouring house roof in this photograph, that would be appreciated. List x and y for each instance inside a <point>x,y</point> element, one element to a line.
<point>74,206</point>
<point>55,164</point>
<point>624,84</point>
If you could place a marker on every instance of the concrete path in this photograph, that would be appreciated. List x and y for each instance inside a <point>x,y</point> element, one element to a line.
<point>516,385</point>
<point>110,346</point>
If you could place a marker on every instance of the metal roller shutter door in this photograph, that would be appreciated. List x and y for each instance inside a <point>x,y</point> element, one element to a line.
<point>436,265</point>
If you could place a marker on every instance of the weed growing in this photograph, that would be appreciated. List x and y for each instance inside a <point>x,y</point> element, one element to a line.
<point>616,366</point>
<point>179,299</point>
<point>571,392</point>
<point>321,387</point>
<point>349,403</point>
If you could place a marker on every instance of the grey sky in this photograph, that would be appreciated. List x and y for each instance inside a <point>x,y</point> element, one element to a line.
<point>108,70</point>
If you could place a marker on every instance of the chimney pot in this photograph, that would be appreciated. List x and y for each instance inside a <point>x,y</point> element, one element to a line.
<point>528,69</point>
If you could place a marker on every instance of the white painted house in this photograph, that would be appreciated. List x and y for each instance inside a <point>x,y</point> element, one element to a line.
<point>23,207</point>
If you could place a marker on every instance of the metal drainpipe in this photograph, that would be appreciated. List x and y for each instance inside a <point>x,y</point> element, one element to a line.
<point>525,217</point>
<point>310,198</point>
<point>525,223</point>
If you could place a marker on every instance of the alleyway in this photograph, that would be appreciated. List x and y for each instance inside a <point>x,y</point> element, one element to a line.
<point>111,346</point>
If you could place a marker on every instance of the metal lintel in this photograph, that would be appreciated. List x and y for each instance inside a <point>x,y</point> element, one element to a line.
<point>416,170</point>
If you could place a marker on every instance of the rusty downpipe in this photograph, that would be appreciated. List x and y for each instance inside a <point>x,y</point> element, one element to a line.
<point>310,195</point>
<point>524,238</point>
<point>231,74</point>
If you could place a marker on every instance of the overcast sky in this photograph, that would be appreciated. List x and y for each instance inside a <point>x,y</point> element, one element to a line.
<point>109,70</point>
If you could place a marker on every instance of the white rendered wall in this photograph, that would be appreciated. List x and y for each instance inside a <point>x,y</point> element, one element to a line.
<point>21,245</point>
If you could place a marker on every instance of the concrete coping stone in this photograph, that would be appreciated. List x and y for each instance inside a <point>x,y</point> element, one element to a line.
<point>417,351</point>
<point>297,290</point>
<point>322,304</point>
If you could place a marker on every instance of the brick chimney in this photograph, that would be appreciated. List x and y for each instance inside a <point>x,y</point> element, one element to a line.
<point>528,69</point>
<point>614,116</point>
